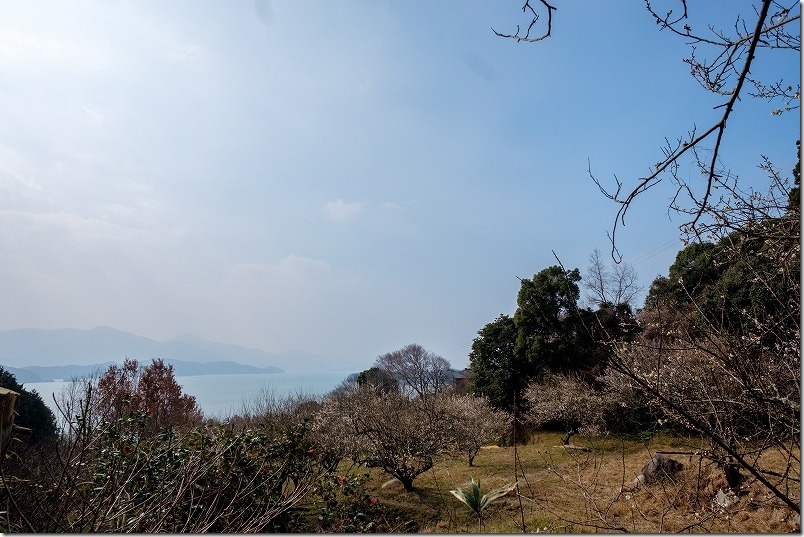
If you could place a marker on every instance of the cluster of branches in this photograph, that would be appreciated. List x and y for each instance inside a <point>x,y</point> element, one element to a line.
<point>730,373</point>
<point>718,352</point>
<point>716,349</point>
<point>403,413</point>
<point>133,456</point>
<point>719,349</point>
<point>403,436</point>
<point>775,27</point>
<point>721,61</point>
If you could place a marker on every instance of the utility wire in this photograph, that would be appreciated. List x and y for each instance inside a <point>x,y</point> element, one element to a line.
<point>656,251</point>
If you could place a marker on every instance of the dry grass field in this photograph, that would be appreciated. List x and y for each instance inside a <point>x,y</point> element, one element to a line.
<point>567,491</point>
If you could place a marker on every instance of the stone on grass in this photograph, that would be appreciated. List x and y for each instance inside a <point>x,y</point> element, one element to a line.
<point>659,468</point>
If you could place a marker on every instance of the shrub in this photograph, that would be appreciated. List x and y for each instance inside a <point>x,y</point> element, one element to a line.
<point>131,388</point>
<point>110,476</point>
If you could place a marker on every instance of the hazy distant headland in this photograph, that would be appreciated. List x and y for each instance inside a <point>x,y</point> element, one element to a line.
<point>36,355</point>
<point>36,373</point>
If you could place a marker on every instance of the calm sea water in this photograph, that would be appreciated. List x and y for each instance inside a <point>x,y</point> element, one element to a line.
<point>224,395</point>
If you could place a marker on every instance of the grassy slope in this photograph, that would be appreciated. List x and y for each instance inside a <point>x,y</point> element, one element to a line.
<point>572,491</point>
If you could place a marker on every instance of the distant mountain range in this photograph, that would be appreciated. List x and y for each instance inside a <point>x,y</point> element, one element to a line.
<point>36,355</point>
<point>38,373</point>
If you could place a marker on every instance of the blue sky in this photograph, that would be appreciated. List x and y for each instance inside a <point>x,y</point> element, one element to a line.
<point>342,178</point>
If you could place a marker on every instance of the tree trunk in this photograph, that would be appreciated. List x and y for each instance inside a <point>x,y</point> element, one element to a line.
<point>8,406</point>
<point>407,482</point>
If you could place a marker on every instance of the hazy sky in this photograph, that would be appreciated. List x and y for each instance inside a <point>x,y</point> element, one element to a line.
<point>342,178</point>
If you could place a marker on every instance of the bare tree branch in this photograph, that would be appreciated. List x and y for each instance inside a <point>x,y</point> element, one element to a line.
<point>526,38</point>
<point>732,55</point>
<point>616,286</point>
<point>713,76</point>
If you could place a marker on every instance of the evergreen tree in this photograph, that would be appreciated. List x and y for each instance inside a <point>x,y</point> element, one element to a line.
<point>32,411</point>
<point>497,371</point>
<point>547,321</point>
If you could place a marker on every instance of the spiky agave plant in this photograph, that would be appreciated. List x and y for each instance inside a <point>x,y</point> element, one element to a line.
<point>472,498</point>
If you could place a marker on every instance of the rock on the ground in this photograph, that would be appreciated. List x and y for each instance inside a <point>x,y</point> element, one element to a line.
<point>658,468</point>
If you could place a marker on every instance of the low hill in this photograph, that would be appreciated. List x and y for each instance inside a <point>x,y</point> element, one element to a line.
<point>36,355</point>
<point>36,373</point>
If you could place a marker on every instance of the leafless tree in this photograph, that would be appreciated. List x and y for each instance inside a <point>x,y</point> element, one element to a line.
<point>471,423</point>
<point>569,400</point>
<point>384,429</point>
<point>615,286</point>
<point>419,371</point>
<point>403,436</point>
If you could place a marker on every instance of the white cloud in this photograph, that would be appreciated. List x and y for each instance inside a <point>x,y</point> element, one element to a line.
<point>184,52</point>
<point>294,262</point>
<point>20,48</point>
<point>290,267</point>
<point>342,211</point>
<point>17,180</point>
<point>119,229</point>
<point>94,116</point>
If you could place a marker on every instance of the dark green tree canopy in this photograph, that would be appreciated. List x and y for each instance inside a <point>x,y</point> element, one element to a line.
<point>547,320</point>
<point>497,372</point>
<point>379,378</point>
<point>693,270</point>
<point>728,283</point>
<point>33,413</point>
<point>549,333</point>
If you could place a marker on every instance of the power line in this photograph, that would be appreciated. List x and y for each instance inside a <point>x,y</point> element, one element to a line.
<point>656,251</point>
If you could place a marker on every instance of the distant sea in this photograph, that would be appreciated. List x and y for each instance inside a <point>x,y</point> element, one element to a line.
<point>224,395</point>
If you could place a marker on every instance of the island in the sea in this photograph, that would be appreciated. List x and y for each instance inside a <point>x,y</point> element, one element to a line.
<point>35,355</point>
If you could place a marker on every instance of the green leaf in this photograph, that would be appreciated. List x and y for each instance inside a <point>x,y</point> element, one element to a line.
<point>496,493</point>
<point>472,496</point>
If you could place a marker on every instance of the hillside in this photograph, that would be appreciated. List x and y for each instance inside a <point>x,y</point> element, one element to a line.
<point>565,491</point>
<point>35,355</point>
